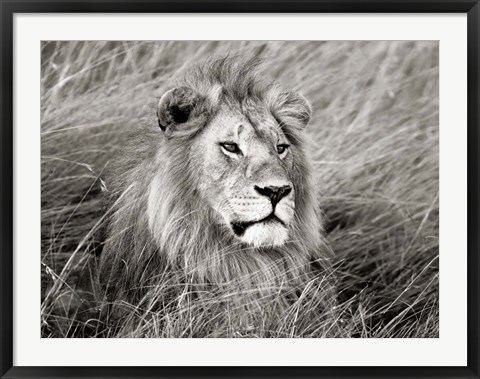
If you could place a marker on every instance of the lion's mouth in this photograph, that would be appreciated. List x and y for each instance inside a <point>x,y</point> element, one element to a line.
<point>239,227</point>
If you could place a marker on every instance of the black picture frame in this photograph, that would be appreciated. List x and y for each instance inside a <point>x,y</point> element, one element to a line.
<point>10,8</point>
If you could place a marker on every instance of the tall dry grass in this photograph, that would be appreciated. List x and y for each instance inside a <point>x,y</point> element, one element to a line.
<point>374,145</point>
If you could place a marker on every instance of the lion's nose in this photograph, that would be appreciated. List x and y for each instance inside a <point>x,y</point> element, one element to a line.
<point>274,193</point>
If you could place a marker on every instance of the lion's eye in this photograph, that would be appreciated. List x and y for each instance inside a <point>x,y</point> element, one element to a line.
<point>281,148</point>
<point>231,147</point>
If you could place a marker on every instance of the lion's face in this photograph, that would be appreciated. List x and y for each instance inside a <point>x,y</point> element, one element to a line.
<point>246,162</point>
<point>241,161</point>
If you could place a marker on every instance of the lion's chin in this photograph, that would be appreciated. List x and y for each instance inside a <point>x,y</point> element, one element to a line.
<point>265,235</point>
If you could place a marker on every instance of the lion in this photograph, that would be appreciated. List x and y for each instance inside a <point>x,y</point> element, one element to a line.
<point>216,191</point>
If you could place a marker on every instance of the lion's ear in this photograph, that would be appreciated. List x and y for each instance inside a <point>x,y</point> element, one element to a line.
<point>291,109</point>
<point>178,110</point>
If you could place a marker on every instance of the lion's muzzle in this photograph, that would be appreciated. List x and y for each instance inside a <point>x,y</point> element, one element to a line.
<point>261,216</point>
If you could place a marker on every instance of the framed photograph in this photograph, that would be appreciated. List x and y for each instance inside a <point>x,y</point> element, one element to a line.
<point>240,189</point>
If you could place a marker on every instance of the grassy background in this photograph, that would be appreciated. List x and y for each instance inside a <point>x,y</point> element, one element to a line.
<point>374,144</point>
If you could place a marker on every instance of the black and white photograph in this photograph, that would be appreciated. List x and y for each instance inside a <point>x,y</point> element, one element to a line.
<point>239,189</point>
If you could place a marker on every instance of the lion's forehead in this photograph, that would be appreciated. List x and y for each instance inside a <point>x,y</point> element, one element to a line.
<point>250,125</point>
